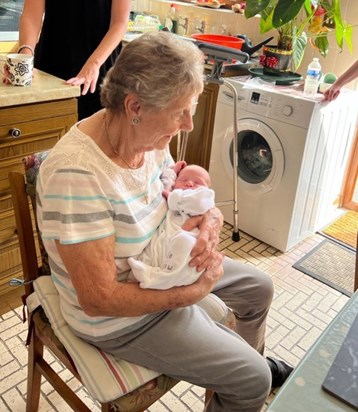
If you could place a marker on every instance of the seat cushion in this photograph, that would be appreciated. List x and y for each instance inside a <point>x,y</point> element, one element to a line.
<point>105,377</point>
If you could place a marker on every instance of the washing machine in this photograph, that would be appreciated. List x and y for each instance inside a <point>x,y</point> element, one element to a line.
<point>292,153</point>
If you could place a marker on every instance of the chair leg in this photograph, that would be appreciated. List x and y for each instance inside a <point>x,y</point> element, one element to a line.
<point>33,374</point>
<point>208,395</point>
<point>105,407</point>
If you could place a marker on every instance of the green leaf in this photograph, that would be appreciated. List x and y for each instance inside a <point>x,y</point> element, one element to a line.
<point>254,7</point>
<point>285,11</point>
<point>266,23</point>
<point>299,46</point>
<point>321,42</point>
<point>344,33</point>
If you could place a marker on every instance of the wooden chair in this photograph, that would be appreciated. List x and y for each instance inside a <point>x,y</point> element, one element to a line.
<point>41,333</point>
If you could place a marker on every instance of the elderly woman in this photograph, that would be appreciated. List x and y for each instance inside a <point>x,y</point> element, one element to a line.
<point>100,201</point>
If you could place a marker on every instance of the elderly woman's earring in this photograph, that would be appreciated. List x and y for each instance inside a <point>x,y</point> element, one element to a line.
<point>135,121</point>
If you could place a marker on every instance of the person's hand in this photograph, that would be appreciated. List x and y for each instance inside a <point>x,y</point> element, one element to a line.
<point>179,166</point>
<point>331,93</point>
<point>204,252</point>
<point>87,76</point>
<point>6,74</point>
<point>165,193</point>
<point>210,277</point>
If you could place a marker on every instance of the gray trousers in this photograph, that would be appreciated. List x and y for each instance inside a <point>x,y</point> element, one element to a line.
<point>189,345</point>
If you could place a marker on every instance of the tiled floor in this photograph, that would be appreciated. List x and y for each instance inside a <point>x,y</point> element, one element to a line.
<point>301,310</point>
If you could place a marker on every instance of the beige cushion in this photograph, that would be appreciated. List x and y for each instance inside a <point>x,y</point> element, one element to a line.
<point>105,377</point>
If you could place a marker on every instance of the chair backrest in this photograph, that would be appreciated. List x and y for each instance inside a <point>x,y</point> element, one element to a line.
<point>21,190</point>
<point>32,165</point>
<point>25,230</point>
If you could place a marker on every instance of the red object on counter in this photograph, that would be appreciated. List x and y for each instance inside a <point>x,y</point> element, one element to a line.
<point>220,39</point>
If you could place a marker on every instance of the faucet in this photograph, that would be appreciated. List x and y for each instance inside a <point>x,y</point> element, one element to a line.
<point>183,22</point>
<point>200,25</point>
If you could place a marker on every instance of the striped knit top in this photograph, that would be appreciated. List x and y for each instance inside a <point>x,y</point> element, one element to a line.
<point>82,195</point>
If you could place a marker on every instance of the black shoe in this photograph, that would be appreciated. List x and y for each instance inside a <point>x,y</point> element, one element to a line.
<point>280,371</point>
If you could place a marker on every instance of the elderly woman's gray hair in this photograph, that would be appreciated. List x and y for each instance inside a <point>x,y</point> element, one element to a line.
<point>157,67</point>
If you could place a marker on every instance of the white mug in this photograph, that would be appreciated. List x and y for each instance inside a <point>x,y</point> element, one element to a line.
<point>18,69</point>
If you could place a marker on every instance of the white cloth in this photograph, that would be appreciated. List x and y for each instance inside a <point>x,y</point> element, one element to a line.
<point>164,262</point>
<point>168,177</point>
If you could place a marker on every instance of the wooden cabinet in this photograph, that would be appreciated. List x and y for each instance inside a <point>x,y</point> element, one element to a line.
<point>25,129</point>
<point>199,141</point>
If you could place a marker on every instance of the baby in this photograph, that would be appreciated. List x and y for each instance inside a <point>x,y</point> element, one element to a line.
<point>164,262</point>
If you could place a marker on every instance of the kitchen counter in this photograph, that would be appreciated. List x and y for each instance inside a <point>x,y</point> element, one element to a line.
<point>44,88</point>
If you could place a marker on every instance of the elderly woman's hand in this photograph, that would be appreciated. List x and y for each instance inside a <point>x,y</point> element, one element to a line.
<point>210,277</point>
<point>209,224</point>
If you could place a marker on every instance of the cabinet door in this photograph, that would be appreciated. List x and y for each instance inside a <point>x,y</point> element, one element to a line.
<point>24,130</point>
<point>200,138</point>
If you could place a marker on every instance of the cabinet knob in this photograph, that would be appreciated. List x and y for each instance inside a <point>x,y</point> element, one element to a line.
<point>15,132</point>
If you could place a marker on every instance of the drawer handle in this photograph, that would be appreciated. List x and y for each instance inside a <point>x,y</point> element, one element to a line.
<point>15,132</point>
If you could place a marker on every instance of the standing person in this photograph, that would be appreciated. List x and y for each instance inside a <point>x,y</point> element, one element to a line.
<point>100,201</point>
<point>164,262</point>
<point>333,91</point>
<point>75,40</point>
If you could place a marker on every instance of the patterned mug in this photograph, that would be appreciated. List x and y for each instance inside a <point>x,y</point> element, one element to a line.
<point>18,69</point>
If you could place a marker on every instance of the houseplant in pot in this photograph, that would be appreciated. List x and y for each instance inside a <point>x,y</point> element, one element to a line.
<point>298,23</point>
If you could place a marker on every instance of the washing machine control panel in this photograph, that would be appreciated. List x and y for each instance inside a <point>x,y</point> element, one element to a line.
<point>284,107</point>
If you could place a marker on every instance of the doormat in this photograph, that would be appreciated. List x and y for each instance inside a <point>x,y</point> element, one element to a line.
<point>330,263</point>
<point>344,229</point>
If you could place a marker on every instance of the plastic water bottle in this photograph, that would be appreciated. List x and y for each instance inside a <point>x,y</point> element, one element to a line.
<point>312,77</point>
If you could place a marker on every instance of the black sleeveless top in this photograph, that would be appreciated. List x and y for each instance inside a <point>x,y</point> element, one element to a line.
<point>71,31</point>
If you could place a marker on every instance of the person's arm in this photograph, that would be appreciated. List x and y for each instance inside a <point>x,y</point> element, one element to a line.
<point>333,91</point>
<point>30,25</point>
<point>89,73</point>
<point>94,275</point>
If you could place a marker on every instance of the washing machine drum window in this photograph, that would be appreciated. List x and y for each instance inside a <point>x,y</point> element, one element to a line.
<point>254,157</point>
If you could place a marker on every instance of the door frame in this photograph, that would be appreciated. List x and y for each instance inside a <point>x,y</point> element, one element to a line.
<point>351,180</point>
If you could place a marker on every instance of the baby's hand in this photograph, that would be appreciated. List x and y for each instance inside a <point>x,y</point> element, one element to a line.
<point>179,166</point>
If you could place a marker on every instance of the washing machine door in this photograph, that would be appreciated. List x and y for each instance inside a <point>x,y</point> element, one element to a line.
<point>260,156</point>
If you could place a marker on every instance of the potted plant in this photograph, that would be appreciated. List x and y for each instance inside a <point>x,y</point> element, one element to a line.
<point>298,23</point>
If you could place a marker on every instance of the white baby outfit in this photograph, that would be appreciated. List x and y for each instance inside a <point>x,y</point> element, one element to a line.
<point>164,262</point>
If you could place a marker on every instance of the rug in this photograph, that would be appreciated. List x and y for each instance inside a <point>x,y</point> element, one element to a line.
<point>344,229</point>
<point>330,263</point>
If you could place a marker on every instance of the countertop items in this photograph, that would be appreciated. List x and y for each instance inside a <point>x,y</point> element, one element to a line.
<point>44,88</point>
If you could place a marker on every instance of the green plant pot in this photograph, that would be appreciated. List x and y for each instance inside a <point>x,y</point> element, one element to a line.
<point>276,61</point>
